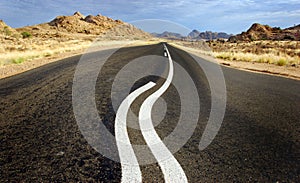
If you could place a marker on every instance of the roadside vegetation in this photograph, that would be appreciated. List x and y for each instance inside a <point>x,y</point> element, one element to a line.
<point>26,34</point>
<point>61,35</point>
<point>273,52</point>
<point>281,53</point>
<point>27,48</point>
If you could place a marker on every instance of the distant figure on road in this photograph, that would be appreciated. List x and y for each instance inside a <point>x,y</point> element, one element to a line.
<point>165,53</point>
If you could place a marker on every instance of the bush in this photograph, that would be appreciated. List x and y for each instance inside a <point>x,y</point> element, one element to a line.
<point>225,56</point>
<point>18,60</point>
<point>289,37</point>
<point>26,34</point>
<point>6,31</point>
<point>281,62</point>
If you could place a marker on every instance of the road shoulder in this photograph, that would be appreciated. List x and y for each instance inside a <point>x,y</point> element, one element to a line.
<point>283,71</point>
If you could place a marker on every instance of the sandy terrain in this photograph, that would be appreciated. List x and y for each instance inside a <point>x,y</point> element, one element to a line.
<point>41,141</point>
<point>33,46</point>
<point>13,69</point>
<point>29,47</point>
<point>285,71</point>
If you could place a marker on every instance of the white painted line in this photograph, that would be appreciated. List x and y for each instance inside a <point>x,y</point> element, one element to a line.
<point>130,168</point>
<point>170,167</point>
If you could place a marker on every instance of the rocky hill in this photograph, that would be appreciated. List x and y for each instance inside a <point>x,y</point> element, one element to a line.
<point>87,25</point>
<point>62,35</point>
<point>168,35</point>
<point>194,35</point>
<point>6,30</point>
<point>208,35</point>
<point>266,32</point>
<point>9,37</point>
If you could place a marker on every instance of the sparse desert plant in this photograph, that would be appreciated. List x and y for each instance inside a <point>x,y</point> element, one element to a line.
<point>260,58</point>
<point>224,55</point>
<point>281,62</point>
<point>15,53</point>
<point>18,60</point>
<point>48,54</point>
<point>26,34</point>
<point>273,52</point>
<point>6,31</point>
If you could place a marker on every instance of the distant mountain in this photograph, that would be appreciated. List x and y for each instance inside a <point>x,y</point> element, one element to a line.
<point>168,35</point>
<point>208,35</point>
<point>266,32</point>
<point>194,34</point>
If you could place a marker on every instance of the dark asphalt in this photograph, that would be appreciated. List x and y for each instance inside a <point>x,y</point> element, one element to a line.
<point>259,140</point>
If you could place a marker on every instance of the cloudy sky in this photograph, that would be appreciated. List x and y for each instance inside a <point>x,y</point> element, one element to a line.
<point>231,16</point>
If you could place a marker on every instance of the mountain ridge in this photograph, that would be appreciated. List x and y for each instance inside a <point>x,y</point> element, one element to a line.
<point>168,35</point>
<point>265,32</point>
<point>193,35</point>
<point>208,35</point>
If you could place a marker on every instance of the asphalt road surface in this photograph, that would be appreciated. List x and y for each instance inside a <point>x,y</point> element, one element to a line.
<point>259,140</point>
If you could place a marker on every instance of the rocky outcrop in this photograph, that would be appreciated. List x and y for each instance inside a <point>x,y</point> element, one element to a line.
<point>80,24</point>
<point>7,31</point>
<point>168,35</point>
<point>194,34</point>
<point>265,32</point>
<point>208,35</point>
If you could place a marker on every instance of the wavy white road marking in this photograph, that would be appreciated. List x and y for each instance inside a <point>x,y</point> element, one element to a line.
<point>170,167</point>
<point>130,168</point>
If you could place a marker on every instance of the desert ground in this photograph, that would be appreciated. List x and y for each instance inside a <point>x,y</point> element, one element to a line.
<point>270,57</point>
<point>33,46</point>
<point>43,141</point>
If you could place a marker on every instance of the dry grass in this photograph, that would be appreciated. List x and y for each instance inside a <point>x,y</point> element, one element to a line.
<point>263,58</point>
<point>35,50</point>
<point>63,34</point>
<point>19,50</point>
<point>291,48</point>
<point>272,52</point>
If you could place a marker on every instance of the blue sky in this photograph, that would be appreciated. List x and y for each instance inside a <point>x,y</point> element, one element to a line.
<point>231,16</point>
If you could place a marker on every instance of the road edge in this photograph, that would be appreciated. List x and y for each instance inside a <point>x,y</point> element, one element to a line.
<point>235,66</point>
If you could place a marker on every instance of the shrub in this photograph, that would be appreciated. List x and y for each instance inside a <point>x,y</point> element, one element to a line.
<point>289,37</point>
<point>281,62</point>
<point>18,60</point>
<point>6,31</point>
<point>225,56</point>
<point>48,54</point>
<point>261,60</point>
<point>26,34</point>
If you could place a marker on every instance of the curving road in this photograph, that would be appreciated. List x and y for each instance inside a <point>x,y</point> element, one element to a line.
<point>259,139</point>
